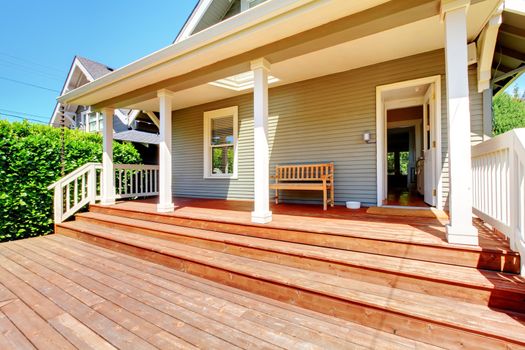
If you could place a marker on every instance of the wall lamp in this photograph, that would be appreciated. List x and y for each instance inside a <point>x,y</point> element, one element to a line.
<point>367,137</point>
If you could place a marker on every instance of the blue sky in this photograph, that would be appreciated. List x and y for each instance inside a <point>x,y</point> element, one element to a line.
<point>40,38</point>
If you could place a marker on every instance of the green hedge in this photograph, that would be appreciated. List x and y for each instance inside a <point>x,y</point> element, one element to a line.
<point>30,161</point>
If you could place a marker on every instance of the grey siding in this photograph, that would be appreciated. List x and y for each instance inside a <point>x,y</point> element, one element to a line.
<point>322,119</point>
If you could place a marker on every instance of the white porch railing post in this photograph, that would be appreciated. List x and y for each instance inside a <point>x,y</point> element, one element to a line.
<point>108,178</point>
<point>261,213</point>
<point>58,204</point>
<point>165,194</point>
<point>92,184</point>
<point>460,230</point>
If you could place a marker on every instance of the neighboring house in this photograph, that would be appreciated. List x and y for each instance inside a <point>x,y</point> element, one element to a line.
<point>393,98</point>
<point>128,125</point>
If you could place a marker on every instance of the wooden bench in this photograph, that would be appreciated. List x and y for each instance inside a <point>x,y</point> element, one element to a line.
<point>305,177</point>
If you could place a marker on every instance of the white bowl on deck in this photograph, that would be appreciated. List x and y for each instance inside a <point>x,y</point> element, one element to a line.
<point>353,205</point>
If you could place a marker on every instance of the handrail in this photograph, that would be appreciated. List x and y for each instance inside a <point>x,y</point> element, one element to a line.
<point>82,186</point>
<point>498,171</point>
<point>73,174</point>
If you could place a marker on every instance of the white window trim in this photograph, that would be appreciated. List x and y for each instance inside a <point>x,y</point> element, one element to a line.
<point>208,116</point>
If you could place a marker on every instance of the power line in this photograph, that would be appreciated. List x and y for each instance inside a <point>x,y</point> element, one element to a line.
<point>29,61</point>
<point>24,118</point>
<point>29,84</point>
<point>18,112</point>
<point>31,70</point>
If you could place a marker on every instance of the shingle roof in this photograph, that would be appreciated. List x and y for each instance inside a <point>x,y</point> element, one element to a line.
<point>138,137</point>
<point>96,69</point>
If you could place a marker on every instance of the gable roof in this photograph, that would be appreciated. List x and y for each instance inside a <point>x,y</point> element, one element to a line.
<point>95,69</point>
<point>205,14</point>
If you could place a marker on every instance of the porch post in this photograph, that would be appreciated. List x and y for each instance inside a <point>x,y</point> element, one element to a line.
<point>460,230</point>
<point>261,213</point>
<point>165,195</point>
<point>108,177</point>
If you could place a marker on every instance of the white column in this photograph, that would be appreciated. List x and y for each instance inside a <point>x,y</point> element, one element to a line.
<point>460,230</point>
<point>261,213</point>
<point>165,195</point>
<point>108,176</point>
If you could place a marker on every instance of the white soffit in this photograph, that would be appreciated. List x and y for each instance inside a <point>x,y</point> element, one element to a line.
<point>240,82</point>
<point>516,6</point>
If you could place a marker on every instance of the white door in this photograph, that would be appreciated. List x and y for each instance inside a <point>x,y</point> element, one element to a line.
<point>429,147</point>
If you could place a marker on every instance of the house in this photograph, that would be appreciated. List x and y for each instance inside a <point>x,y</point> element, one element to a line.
<point>128,125</point>
<point>395,94</point>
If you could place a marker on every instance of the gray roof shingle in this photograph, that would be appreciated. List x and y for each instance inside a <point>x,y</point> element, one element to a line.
<point>138,137</point>
<point>96,69</point>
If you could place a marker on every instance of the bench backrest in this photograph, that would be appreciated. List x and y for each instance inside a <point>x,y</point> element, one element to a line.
<point>304,172</point>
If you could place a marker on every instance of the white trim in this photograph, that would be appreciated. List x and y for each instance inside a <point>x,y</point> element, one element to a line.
<point>404,103</point>
<point>76,64</point>
<point>381,128</point>
<point>208,116</point>
<point>194,19</point>
<point>153,118</point>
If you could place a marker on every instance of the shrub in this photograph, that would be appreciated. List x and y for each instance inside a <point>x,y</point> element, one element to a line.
<point>30,161</point>
<point>509,113</point>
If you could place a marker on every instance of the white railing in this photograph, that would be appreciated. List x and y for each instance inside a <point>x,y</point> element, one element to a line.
<point>133,180</point>
<point>498,180</point>
<point>82,186</point>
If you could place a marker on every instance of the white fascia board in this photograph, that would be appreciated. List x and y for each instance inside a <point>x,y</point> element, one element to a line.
<point>219,35</point>
<point>516,6</point>
<point>194,19</point>
<point>486,45</point>
<point>89,77</point>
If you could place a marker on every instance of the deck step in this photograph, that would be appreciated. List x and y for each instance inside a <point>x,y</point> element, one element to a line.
<point>365,238</point>
<point>436,320</point>
<point>497,290</point>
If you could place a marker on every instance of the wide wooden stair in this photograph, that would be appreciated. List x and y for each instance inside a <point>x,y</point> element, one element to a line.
<point>447,296</point>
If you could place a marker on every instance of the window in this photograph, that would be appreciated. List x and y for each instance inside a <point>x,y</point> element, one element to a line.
<point>93,122</point>
<point>220,143</point>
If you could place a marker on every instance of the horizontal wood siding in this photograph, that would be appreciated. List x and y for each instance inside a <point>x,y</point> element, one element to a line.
<point>317,120</point>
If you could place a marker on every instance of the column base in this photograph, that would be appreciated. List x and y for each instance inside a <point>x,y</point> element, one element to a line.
<point>107,201</point>
<point>261,218</point>
<point>165,207</point>
<point>462,235</point>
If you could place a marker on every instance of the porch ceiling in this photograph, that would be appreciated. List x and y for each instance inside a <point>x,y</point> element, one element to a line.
<point>302,39</point>
<point>406,40</point>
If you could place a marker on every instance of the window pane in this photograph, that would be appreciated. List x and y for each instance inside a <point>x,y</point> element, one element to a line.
<point>222,160</point>
<point>92,117</point>
<point>222,130</point>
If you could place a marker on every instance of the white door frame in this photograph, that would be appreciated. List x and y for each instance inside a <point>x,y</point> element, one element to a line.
<point>381,132</point>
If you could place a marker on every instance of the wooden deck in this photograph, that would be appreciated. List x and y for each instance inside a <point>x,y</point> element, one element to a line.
<point>60,293</point>
<point>337,220</point>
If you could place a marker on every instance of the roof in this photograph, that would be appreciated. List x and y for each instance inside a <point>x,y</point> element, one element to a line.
<point>138,137</point>
<point>96,69</point>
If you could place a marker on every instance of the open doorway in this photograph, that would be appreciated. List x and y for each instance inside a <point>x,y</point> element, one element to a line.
<point>408,140</point>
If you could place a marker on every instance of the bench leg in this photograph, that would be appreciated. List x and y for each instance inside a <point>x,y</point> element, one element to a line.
<point>276,196</point>
<point>324,199</point>
<point>332,195</point>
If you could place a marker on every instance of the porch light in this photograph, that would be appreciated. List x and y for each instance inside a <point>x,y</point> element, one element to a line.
<point>367,137</point>
<point>240,82</point>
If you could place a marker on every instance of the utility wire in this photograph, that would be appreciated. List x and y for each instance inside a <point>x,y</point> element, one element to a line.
<point>24,118</point>
<point>30,61</point>
<point>30,70</point>
<point>29,84</point>
<point>18,112</point>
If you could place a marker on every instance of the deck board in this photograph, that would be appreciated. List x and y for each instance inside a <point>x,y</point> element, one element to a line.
<point>336,220</point>
<point>61,293</point>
